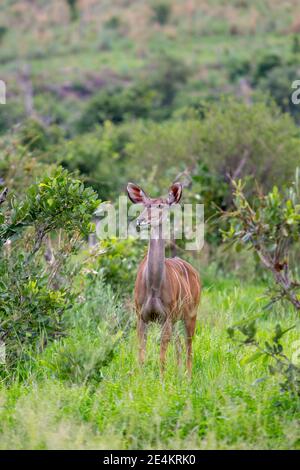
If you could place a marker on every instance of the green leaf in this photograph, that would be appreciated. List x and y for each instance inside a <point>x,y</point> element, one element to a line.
<point>251,358</point>
<point>230,332</point>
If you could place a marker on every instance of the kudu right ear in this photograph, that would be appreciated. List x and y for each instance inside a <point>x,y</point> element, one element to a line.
<point>136,194</point>
<point>175,193</point>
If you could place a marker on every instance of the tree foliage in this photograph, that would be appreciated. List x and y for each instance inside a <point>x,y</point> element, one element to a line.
<point>269,225</point>
<point>35,295</point>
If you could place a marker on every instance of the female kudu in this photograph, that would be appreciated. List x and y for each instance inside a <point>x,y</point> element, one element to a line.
<point>166,289</point>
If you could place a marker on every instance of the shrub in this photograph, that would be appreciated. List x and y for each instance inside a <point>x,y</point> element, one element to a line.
<point>269,226</point>
<point>57,111</point>
<point>58,202</point>
<point>3,32</point>
<point>113,22</point>
<point>166,77</point>
<point>73,7</point>
<point>34,135</point>
<point>270,75</point>
<point>95,154</point>
<point>233,137</point>
<point>278,84</point>
<point>209,188</point>
<point>119,261</point>
<point>296,45</point>
<point>238,68</point>
<point>10,114</point>
<point>255,140</point>
<point>158,152</point>
<point>19,168</point>
<point>265,64</point>
<point>30,312</point>
<point>31,309</point>
<point>37,137</point>
<point>95,329</point>
<point>162,13</point>
<point>151,96</point>
<point>116,104</point>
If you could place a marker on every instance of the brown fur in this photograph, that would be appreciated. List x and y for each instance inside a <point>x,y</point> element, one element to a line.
<point>178,299</point>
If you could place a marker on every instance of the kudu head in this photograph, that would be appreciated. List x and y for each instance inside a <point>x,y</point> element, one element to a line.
<point>155,209</point>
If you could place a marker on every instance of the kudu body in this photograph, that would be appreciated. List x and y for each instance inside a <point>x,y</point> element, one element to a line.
<point>167,289</point>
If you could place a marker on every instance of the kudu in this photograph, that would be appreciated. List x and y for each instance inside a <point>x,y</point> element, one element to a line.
<point>166,289</point>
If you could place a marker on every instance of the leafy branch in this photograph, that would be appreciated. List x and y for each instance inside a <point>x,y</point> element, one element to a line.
<point>281,365</point>
<point>59,201</point>
<point>33,297</point>
<point>269,225</point>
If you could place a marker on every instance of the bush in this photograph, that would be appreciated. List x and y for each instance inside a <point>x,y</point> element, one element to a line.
<point>119,262</point>
<point>117,104</point>
<point>59,201</point>
<point>233,137</point>
<point>269,226</point>
<point>10,114</point>
<point>37,137</point>
<point>166,76</point>
<point>3,32</point>
<point>265,65</point>
<point>269,75</point>
<point>31,309</point>
<point>209,188</point>
<point>95,329</point>
<point>158,152</point>
<point>238,68</point>
<point>18,168</point>
<point>57,111</point>
<point>95,154</point>
<point>113,22</point>
<point>278,84</point>
<point>73,7</point>
<point>162,12</point>
<point>255,140</point>
<point>151,96</point>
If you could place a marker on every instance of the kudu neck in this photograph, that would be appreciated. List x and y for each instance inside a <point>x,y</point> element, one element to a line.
<point>156,259</point>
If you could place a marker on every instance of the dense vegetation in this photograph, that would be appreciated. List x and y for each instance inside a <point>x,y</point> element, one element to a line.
<point>102,93</point>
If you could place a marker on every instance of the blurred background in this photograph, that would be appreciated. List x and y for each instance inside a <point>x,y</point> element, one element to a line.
<point>139,89</point>
<point>151,91</point>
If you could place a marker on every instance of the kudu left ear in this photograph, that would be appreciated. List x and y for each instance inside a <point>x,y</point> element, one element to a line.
<point>175,193</point>
<point>136,194</point>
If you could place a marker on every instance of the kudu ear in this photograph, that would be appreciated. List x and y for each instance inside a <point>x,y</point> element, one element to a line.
<point>175,193</point>
<point>136,194</point>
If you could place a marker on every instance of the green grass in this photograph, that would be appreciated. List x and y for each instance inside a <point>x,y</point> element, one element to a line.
<point>83,392</point>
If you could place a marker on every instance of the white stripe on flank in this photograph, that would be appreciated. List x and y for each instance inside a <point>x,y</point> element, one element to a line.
<point>182,282</point>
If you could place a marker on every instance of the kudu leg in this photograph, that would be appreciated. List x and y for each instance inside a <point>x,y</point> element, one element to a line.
<point>178,346</point>
<point>190,325</point>
<point>142,338</point>
<point>166,335</point>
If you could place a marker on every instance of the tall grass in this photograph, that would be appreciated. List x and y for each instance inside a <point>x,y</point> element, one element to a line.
<point>88,391</point>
